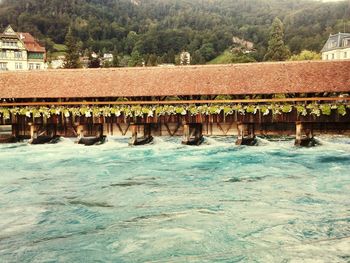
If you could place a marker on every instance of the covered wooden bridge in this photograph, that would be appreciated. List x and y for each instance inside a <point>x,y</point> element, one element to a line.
<point>289,98</point>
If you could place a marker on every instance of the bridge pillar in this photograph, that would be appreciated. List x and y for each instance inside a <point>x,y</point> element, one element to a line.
<point>80,131</point>
<point>192,134</point>
<point>246,134</point>
<point>304,135</point>
<point>33,131</point>
<point>147,134</point>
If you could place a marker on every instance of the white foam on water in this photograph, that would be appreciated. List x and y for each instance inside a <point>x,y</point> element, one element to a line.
<point>162,143</point>
<point>17,220</point>
<point>334,142</point>
<point>216,142</point>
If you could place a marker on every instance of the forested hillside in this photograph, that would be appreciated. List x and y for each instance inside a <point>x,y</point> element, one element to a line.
<point>166,27</point>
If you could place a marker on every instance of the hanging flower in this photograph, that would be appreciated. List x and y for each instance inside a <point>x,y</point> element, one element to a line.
<point>286,108</point>
<point>326,109</point>
<point>341,110</point>
<point>264,109</point>
<point>251,109</point>
<point>314,109</point>
<point>228,110</point>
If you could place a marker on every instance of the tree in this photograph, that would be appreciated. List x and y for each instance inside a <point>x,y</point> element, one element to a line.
<point>197,58</point>
<point>207,51</point>
<point>277,51</point>
<point>306,55</point>
<point>152,60</point>
<point>130,41</point>
<point>115,61</point>
<point>72,54</point>
<point>135,60</point>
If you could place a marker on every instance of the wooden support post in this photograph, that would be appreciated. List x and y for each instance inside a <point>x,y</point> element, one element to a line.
<point>105,127</point>
<point>33,131</point>
<point>100,131</point>
<point>133,138</point>
<point>251,131</point>
<point>147,130</point>
<point>198,131</point>
<point>186,133</point>
<point>240,130</point>
<point>246,134</point>
<point>14,130</point>
<point>80,131</point>
<point>298,133</point>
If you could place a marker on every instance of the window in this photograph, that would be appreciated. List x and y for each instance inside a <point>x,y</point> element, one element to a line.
<point>327,58</point>
<point>3,54</point>
<point>332,44</point>
<point>32,55</point>
<point>18,65</point>
<point>345,54</point>
<point>3,66</point>
<point>333,56</point>
<point>37,66</point>
<point>31,66</point>
<point>18,54</point>
<point>10,43</point>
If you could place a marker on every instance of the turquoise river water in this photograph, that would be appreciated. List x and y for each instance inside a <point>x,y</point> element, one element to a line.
<point>171,203</point>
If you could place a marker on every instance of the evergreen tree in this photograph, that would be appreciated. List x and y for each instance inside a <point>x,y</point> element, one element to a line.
<point>115,61</point>
<point>277,51</point>
<point>135,60</point>
<point>72,55</point>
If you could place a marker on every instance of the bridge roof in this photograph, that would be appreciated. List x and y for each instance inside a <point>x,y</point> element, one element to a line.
<point>234,79</point>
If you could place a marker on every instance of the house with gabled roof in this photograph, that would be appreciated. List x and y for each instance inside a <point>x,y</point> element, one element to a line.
<point>337,47</point>
<point>20,51</point>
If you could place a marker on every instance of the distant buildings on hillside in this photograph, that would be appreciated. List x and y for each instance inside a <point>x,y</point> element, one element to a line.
<point>20,51</point>
<point>185,58</point>
<point>241,45</point>
<point>337,47</point>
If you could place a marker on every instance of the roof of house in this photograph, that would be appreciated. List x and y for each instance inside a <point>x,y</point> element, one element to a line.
<point>254,78</point>
<point>335,42</point>
<point>30,43</point>
<point>9,32</point>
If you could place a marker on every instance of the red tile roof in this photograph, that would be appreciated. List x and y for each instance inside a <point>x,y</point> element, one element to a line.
<point>255,78</point>
<point>30,43</point>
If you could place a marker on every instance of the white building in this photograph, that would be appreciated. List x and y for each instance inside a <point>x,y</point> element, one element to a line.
<point>58,63</point>
<point>108,57</point>
<point>20,51</point>
<point>337,47</point>
<point>185,58</point>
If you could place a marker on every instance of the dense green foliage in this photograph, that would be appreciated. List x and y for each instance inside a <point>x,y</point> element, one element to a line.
<point>137,29</point>
<point>306,55</point>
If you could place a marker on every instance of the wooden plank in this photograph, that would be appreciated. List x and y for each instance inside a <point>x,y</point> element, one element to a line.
<point>244,101</point>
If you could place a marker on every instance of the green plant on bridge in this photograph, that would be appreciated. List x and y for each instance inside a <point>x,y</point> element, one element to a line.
<point>161,110</point>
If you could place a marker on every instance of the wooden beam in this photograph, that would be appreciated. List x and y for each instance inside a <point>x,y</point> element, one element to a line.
<point>243,101</point>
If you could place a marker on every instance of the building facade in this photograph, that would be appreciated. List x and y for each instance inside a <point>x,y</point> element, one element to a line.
<point>337,47</point>
<point>20,51</point>
<point>185,58</point>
